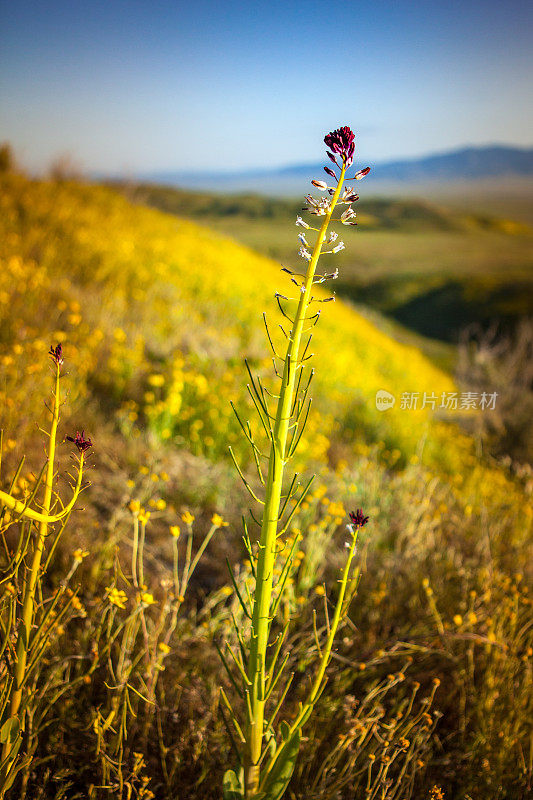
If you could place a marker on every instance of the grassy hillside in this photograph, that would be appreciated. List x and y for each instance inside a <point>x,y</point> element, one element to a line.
<point>156,290</point>
<point>432,268</point>
<point>156,314</point>
<point>159,315</point>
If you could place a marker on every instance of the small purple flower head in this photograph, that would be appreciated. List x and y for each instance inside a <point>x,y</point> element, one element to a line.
<point>357,518</point>
<point>342,143</point>
<point>56,354</point>
<point>80,441</point>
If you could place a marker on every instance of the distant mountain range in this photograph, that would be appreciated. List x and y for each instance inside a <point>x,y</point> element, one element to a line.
<point>465,164</point>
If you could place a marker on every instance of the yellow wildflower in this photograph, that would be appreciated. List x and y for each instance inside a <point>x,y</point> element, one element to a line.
<point>77,604</point>
<point>116,597</point>
<point>135,507</point>
<point>320,591</point>
<point>163,648</point>
<point>187,517</point>
<point>147,598</point>
<point>175,531</point>
<point>80,554</point>
<point>458,620</point>
<point>218,521</point>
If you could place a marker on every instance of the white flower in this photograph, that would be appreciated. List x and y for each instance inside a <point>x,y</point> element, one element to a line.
<point>349,195</point>
<point>304,253</point>
<point>333,237</point>
<point>338,247</point>
<point>303,240</point>
<point>322,185</point>
<point>301,222</point>
<point>347,216</point>
<point>321,208</point>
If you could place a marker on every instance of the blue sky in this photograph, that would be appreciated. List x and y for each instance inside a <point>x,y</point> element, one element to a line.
<point>131,85</point>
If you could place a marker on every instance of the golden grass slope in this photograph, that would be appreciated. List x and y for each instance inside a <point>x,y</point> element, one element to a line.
<point>175,288</point>
<point>158,314</point>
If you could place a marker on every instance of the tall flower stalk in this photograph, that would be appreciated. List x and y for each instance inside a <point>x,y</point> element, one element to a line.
<point>24,569</point>
<point>267,760</point>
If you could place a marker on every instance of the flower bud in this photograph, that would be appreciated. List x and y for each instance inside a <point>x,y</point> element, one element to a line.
<point>80,441</point>
<point>56,354</point>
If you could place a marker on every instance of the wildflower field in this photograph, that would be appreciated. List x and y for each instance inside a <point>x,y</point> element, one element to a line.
<point>133,659</point>
<point>431,266</point>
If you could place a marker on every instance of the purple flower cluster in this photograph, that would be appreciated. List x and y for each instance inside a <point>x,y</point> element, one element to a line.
<point>80,441</point>
<point>56,354</point>
<point>341,142</point>
<point>357,518</point>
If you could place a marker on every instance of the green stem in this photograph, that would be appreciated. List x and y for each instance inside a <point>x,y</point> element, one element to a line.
<point>20,508</point>
<point>267,543</point>
<point>31,581</point>
<point>308,706</point>
<point>317,683</point>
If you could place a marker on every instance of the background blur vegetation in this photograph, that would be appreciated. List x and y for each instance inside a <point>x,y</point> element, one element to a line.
<point>156,312</point>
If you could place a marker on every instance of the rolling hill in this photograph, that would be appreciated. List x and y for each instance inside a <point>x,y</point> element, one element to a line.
<point>434,268</point>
